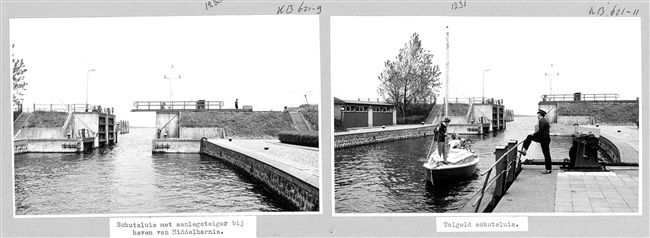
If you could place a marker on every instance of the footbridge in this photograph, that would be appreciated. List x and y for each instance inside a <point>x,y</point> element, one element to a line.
<point>198,105</point>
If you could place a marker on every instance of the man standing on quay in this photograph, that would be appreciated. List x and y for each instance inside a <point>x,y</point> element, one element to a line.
<point>541,135</point>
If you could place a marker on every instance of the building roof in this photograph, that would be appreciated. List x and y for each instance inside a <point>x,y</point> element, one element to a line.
<point>359,102</point>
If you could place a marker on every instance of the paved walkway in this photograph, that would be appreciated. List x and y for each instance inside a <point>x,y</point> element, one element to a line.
<point>616,191</point>
<point>596,192</point>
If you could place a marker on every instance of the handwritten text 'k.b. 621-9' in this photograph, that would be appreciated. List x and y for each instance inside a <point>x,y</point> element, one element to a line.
<point>303,8</point>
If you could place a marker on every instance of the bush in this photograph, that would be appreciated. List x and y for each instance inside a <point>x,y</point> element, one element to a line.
<point>306,138</point>
<point>338,126</point>
<point>411,120</point>
<point>419,109</point>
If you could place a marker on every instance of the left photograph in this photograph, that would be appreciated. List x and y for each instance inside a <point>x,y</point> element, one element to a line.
<point>165,115</point>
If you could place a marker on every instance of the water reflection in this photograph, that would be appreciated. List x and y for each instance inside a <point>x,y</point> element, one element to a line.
<point>127,178</point>
<point>389,178</point>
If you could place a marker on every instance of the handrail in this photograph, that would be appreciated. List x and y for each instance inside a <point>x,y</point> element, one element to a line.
<point>488,183</point>
<point>178,105</point>
<point>470,100</point>
<point>58,107</point>
<point>503,156</point>
<point>580,97</point>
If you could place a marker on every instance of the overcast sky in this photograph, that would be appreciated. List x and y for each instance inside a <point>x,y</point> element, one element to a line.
<point>592,55</point>
<point>265,61</point>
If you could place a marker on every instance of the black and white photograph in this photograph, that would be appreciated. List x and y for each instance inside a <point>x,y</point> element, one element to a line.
<point>486,115</point>
<point>165,115</point>
<point>312,118</point>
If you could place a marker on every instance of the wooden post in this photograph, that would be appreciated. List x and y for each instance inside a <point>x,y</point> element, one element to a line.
<point>500,188</point>
<point>512,161</point>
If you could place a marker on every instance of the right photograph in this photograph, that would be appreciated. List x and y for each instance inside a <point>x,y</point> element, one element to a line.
<point>486,115</point>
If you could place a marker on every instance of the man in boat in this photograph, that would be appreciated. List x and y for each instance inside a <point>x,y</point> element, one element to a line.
<point>542,136</point>
<point>442,135</point>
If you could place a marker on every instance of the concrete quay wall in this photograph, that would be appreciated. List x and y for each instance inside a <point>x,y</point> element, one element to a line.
<point>175,145</point>
<point>48,146</point>
<point>610,148</point>
<point>39,132</point>
<point>348,139</point>
<point>169,123</point>
<point>200,132</point>
<point>299,188</point>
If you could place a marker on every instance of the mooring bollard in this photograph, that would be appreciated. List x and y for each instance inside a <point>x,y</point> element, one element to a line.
<point>512,161</point>
<point>201,144</point>
<point>501,165</point>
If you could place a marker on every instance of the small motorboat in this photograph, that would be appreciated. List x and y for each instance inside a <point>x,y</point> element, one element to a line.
<point>461,165</point>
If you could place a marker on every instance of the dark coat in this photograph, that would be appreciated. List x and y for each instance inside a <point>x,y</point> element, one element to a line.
<point>441,132</point>
<point>544,129</point>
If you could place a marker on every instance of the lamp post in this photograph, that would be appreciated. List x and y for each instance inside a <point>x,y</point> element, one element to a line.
<point>170,84</point>
<point>87,75</point>
<point>550,75</point>
<point>483,93</point>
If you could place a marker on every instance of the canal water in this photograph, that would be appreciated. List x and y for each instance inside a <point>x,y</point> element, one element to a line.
<point>389,177</point>
<point>127,178</point>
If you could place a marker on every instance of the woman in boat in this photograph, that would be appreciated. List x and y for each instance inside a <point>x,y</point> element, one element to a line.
<point>542,136</point>
<point>442,135</point>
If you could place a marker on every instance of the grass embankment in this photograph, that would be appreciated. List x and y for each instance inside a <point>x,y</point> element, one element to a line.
<point>458,109</point>
<point>310,112</point>
<point>242,125</point>
<point>42,119</point>
<point>605,113</point>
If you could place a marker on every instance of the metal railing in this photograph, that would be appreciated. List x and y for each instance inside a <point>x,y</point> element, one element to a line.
<point>178,105</point>
<point>68,107</point>
<point>475,100</point>
<point>17,111</point>
<point>506,173</point>
<point>580,97</point>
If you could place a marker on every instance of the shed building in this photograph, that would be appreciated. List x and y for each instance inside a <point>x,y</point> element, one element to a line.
<point>368,113</point>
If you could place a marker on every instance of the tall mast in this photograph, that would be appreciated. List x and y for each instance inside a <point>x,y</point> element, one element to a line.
<point>447,77</point>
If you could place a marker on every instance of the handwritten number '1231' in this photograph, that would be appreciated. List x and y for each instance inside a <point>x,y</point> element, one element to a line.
<point>458,5</point>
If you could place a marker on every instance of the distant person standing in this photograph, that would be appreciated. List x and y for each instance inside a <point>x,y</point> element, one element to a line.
<point>237,103</point>
<point>541,135</point>
<point>442,135</point>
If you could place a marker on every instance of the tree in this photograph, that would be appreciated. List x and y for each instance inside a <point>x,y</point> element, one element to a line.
<point>411,78</point>
<point>18,78</point>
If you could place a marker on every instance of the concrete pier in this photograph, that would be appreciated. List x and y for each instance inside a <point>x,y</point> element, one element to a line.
<point>374,135</point>
<point>295,182</point>
<point>85,129</point>
<point>612,191</point>
<point>616,191</point>
<point>53,145</point>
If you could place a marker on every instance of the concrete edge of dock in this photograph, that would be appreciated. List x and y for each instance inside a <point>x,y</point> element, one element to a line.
<point>296,183</point>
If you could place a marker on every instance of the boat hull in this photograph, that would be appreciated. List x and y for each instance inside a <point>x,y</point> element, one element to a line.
<point>451,174</point>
